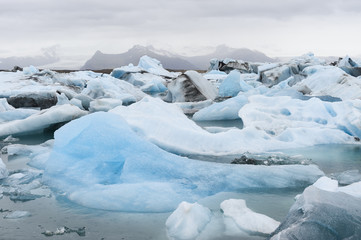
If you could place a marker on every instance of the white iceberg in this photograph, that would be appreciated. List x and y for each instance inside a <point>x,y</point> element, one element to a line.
<point>104,104</point>
<point>271,123</point>
<point>112,88</point>
<point>239,219</point>
<point>294,120</point>
<point>226,110</point>
<point>329,80</point>
<point>187,221</point>
<point>41,120</point>
<point>154,66</point>
<point>99,162</point>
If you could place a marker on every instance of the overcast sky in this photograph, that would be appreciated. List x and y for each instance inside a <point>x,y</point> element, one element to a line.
<point>77,28</point>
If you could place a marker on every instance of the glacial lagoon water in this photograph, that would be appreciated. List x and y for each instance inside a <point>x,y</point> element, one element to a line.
<point>55,211</point>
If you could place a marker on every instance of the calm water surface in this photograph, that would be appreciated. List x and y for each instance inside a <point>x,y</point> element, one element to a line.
<point>55,211</point>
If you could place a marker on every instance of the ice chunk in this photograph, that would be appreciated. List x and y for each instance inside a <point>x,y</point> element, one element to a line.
<point>120,72</point>
<point>41,120</point>
<point>187,221</point>
<point>191,87</point>
<point>319,214</point>
<point>99,162</point>
<point>205,87</point>
<point>226,110</point>
<point>3,171</point>
<point>288,119</point>
<point>17,214</point>
<point>4,105</point>
<point>236,211</point>
<point>154,66</point>
<point>348,177</point>
<point>24,185</point>
<point>215,75</point>
<point>112,88</point>
<point>232,85</point>
<point>332,81</point>
<point>16,114</point>
<point>30,70</point>
<point>104,104</point>
<point>327,184</point>
<point>269,126</point>
<point>147,82</point>
<point>192,107</point>
<point>10,139</point>
<point>353,189</point>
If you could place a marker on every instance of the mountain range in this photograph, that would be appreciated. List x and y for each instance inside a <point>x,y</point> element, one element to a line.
<point>170,60</point>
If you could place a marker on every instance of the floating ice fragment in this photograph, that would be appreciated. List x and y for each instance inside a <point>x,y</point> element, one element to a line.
<point>17,214</point>
<point>187,221</point>
<point>247,221</point>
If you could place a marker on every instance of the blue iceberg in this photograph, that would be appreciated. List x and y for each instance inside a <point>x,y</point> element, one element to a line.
<point>98,161</point>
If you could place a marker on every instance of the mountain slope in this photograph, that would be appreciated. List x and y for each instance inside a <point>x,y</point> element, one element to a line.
<point>172,61</point>
<point>104,61</point>
<point>222,52</point>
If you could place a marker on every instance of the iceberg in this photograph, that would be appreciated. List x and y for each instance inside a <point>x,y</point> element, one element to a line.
<point>191,87</point>
<point>321,213</point>
<point>331,81</point>
<point>270,123</point>
<point>104,104</point>
<point>289,119</point>
<point>187,221</point>
<point>41,120</point>
<point>232,85</point>
<point>112,88</point>
<point>98,161</point>
<point>226,110</point>
<point>147,82</point>
<point>239,219</point>
<point>154,66</point>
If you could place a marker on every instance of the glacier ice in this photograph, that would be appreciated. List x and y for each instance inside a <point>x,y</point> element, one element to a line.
<point>330,80</point>
<point>104,104</point>
<point>348,177</point>
<point>154,66</point>
<point>322,214</point>
<point>191,87</point>
<point>288,119</point>
<point>99,162</point>
<point>270,123</point>
<point>232,85</point>
<point>187,221</point>
<point>41,120</point>
<point>239,219</point>
<point>226,110</point>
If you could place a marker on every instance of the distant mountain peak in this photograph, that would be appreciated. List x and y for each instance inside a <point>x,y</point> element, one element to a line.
<point>170,60</point>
